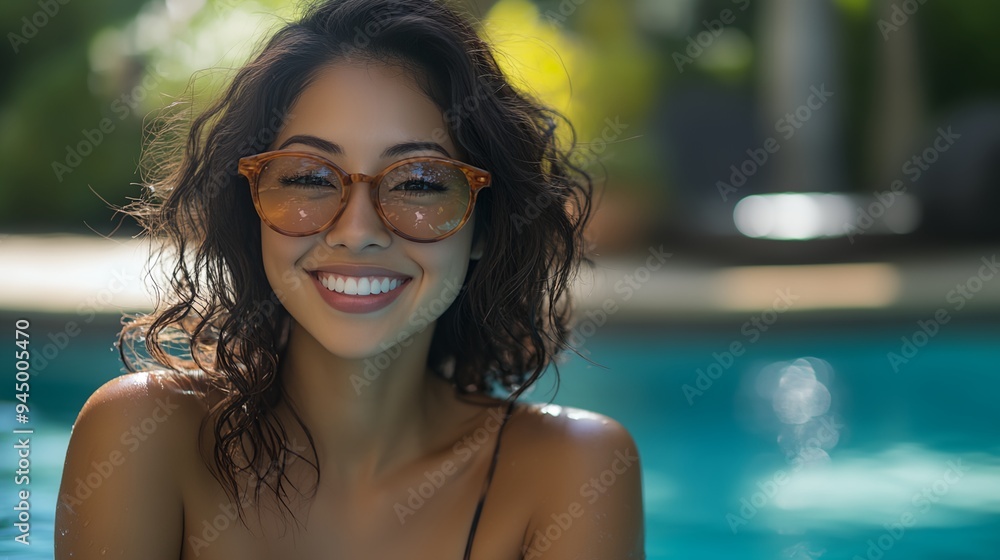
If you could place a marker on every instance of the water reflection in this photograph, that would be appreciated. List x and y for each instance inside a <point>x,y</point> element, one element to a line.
<point>932,487</point>
<point>938,489</point>
<point>874,499</point>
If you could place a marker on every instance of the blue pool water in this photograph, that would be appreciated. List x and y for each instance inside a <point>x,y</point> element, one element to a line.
<point>807,445</point>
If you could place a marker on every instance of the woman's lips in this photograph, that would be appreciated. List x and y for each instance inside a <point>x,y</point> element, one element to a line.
<point>358,270</point>
<point>359,285</point>
<point>357,303</point>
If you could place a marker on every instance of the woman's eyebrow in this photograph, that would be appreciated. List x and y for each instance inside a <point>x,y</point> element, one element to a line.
<point>405,147</point>
<point>313,141</point>
<point>391,151</point>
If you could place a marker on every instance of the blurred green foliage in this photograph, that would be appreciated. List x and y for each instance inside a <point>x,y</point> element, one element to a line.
<point>45,103</point>
<point>113,63</point>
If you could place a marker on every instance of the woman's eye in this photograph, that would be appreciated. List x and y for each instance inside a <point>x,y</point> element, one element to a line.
<point>310,180</point>
<point>420,186</point>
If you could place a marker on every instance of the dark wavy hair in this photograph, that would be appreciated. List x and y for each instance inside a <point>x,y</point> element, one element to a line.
<point>512,317</point>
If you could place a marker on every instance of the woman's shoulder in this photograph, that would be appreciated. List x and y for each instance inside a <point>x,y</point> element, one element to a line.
<point>585,472</point>
<point>567,434</point>
<point>163,392</point>
<point>158,410</point>
<point>128,450</point>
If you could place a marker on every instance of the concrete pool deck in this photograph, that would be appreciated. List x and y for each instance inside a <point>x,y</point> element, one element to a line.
<point>89,274</point>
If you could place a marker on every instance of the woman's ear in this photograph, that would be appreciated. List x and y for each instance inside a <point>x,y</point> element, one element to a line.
<point>477,250</point>
<point>285,329</point>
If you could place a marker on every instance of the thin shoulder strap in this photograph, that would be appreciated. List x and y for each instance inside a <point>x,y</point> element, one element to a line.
<point>486,485</point>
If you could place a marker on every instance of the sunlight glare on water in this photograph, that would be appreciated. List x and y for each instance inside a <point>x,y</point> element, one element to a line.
<point>800,396</point>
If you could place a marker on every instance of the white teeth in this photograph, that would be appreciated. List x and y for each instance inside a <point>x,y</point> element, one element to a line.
<point>359,286</point>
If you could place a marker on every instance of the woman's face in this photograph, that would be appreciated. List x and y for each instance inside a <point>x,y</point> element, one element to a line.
<point>364,109</point>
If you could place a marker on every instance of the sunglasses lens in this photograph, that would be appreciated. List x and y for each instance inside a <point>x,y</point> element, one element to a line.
<point>298,195</point>
<point>425,199</point>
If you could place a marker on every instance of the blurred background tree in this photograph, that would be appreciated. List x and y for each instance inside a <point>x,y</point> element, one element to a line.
<point>116,62</point>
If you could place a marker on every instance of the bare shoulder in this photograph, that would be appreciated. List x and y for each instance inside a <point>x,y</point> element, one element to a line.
<point>125,455</point>
<point>148,403</point>
<point>588,482</point>
<point>146,385</point>
<point>565,426</point>
<point>563,439</point>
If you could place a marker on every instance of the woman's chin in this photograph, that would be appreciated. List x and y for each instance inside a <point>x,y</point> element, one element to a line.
<point>379,349</point>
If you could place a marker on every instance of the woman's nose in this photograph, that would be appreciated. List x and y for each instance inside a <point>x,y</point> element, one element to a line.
<point>359,225</point>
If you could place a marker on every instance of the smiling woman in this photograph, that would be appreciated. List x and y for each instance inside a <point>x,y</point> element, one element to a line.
<point>361,300</point>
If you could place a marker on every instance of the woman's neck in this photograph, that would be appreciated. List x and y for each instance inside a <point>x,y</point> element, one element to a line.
<point>367,417</point>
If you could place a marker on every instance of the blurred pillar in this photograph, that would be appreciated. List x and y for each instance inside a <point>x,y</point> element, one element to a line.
<point>898,103</point>
<point>798,59</point>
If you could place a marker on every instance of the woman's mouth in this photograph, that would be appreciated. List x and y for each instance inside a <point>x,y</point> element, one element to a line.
<point>359,286</point>
<point>358,294</point>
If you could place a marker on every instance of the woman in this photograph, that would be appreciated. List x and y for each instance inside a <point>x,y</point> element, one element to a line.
<point>374,234</point>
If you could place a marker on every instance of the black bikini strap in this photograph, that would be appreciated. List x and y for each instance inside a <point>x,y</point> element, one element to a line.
<point>486,484</point>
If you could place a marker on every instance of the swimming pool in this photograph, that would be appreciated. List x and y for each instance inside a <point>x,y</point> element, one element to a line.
<point>806,442</point>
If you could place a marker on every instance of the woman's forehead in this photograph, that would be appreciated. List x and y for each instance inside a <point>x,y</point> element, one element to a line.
<point>365,105</point>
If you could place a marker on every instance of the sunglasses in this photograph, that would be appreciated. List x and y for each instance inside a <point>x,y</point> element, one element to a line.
<point>421,199</point>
